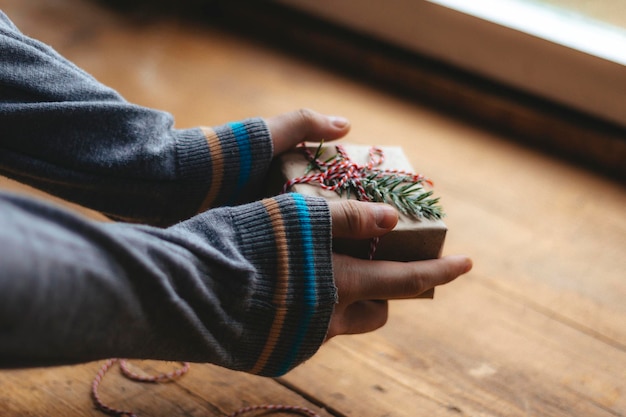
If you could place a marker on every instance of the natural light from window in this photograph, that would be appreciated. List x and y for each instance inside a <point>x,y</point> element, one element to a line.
<point>572,23</point>
<point>612,12</point>
<point>572,52</point>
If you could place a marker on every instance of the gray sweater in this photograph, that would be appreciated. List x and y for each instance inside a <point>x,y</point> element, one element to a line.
<point>193,268</point>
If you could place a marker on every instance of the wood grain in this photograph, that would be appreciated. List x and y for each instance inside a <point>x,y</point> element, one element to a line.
<point>537,328</point>
<point>205,391</point>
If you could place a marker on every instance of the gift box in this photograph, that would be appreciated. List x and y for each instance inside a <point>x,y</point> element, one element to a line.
<point>416,236</point>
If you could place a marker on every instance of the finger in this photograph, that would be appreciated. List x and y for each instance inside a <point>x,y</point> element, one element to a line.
<point>358,279</point>
<point>360,220</point>
<point>359,317</point>
<point>291,128</point>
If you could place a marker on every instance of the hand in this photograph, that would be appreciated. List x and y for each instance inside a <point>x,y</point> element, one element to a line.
<point>290,129</point>
<point>365,286</point>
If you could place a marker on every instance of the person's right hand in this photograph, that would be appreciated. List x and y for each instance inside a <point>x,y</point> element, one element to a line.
<point>364,286</point>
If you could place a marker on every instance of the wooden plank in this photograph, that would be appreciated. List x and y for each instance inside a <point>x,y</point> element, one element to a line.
<point>231,390</point>
<point>472,351</point>
<point>551,234</point>
<point>205,391</point>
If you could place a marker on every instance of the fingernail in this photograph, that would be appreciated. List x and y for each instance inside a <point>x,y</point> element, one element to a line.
<point>386,216</point>
<point>339,122</point>
<point>466,262</point>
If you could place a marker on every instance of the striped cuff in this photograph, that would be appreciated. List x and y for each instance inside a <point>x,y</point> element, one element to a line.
<point>294,294</point>
<point>240,154</point>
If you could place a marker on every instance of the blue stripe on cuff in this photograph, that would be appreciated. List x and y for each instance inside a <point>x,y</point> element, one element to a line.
<point>245,155</point>
<point>310,294</point>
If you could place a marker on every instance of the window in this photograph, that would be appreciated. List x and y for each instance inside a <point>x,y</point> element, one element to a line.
<point>538,47</point>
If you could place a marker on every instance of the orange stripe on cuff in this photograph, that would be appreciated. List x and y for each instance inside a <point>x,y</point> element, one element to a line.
<point>217,167</point>
<point>282,284</point>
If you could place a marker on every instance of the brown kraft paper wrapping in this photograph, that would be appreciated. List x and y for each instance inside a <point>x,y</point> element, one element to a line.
<point>411,240</point>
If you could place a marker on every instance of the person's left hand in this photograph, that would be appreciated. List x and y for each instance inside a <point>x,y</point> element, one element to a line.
<point>289,129</point>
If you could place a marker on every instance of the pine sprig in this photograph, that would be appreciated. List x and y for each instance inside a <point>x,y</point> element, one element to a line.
<point>404,192</point>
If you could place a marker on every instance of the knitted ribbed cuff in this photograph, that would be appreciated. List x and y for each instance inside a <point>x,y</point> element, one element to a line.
<point>294,294</point>
<point>228,163</point>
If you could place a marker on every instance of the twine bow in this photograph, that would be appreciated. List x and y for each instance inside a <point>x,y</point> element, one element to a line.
<point>341,172</point>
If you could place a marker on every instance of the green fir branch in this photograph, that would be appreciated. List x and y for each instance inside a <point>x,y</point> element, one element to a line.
<point>407,195</point>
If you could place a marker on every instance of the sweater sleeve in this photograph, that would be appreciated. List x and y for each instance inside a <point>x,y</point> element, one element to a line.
<point>71,136</point>
<point>247,287</point>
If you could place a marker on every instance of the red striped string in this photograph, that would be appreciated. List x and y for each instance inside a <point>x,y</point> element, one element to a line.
<point>274,408</point>
<point>335,173</point>
<point>338,171</point>
<point>168,377</point>
<point>128,373</point>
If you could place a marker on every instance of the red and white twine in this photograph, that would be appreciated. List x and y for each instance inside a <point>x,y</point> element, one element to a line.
<point>168,377</point>
<point>338,171</point>
<point>275,408</point>
<point>335,173</point>
<point>128,373</point>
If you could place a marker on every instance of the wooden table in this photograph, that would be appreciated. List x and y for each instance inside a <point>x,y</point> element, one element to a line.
<point>538,328</point>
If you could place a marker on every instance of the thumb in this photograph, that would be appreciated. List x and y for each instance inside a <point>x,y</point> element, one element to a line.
<point>361,220</point>
<point>291,128</point>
